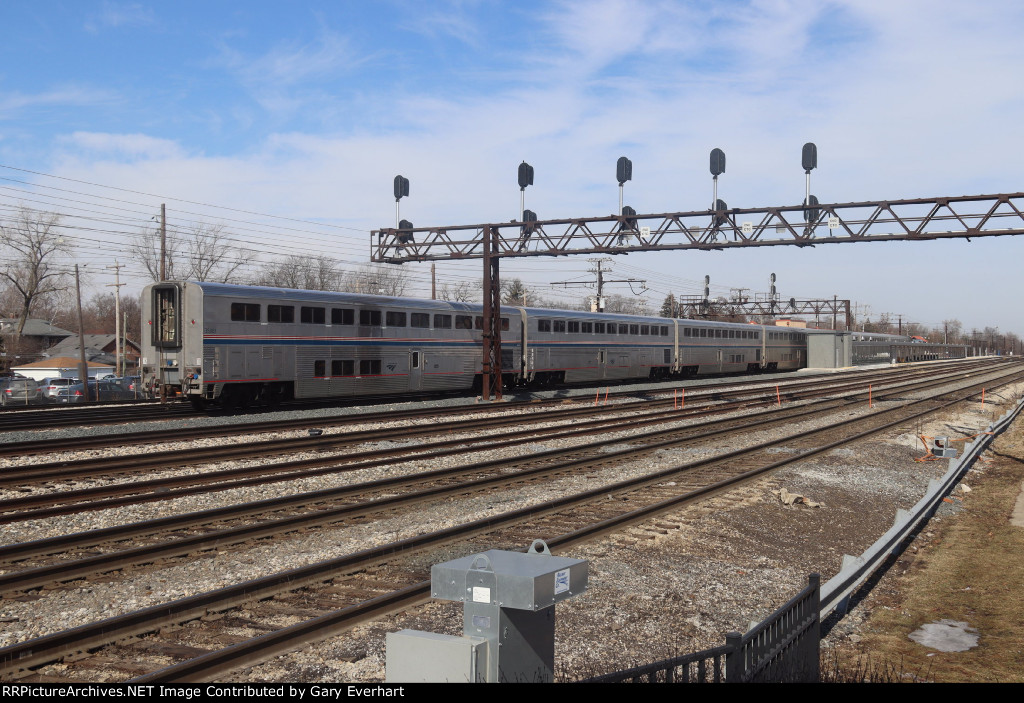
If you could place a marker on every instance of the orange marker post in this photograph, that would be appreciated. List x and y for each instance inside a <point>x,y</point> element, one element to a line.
<point>869,396</point>
<point>606,396</point>
<point>682,403</point>
<point>597,395</point>
<point>778,398</point>
<point>675,400</point>
<point>982,398</point>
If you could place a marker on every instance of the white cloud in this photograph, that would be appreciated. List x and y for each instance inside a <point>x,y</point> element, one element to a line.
<point>116,14</point>
<point>12,103</point>
<point>904,99</point>
<point>135,147</point>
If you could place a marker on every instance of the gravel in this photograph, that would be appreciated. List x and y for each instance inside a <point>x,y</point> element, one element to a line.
<point>722,564</point>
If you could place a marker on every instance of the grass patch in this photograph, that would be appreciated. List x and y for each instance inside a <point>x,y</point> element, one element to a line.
<point>971,570</point>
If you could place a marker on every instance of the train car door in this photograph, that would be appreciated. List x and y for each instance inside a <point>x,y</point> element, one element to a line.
<point>415,369</point>
<point>720,356</point>
<point>602,363</point>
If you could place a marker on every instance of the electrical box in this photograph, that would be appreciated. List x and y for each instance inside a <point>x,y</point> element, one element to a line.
<point>509,600</point>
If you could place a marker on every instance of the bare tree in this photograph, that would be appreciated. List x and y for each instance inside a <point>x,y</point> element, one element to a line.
<point>626,305</point>
<point>464,292</point>
<point>302,272</point>
<point>31,245</point>
<point>210,257</point>
<point>201,252</point>
<point>145,249</point>
<point>376,280</point>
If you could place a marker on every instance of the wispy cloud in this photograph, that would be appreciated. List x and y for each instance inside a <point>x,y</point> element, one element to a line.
<point>12,103</point>
<point>115,14</point>
<point>134,147</point>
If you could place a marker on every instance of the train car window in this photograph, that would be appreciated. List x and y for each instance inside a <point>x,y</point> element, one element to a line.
<point>414,362</point>
<point>668,356</point>
<point>419,319</point>
<point>599,328</point>
<point>613,328</point>
<point>703,332</point>
<point>370,318</point>
<point>504,324</point>
<point>395,319</point>
<point>732,334</point>
<point>166,321</point>
<point>280,313</point>
<point>686,331</point>
<point>320,368</point>
<point>624,329</point>
<point>369,367</point>
<point>634,329</point>
<point>645,330</point>
<point>463,322</point>
<point>559,326</point>
<point>718,333</point>
<point>245,312</point>
<point>443,322</point>
<point>757,335</point>
<point>664,331</point>
<point>343,367</point>
<point>587,327</point>
<point>312,316</point>
<point>574,327</point>
<point>543,325</point>
<point>343,316</point>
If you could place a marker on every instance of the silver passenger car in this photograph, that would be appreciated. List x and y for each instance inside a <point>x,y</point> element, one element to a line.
<point>237,345</point>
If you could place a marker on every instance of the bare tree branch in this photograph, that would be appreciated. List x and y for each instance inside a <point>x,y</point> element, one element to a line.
<point>31,245</point>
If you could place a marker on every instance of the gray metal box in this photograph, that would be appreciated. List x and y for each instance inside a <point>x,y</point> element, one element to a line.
<point>427,657</point>
<point>529,581</point>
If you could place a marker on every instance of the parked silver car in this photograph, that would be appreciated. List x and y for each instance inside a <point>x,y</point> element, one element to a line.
<point>49,387</point>
<point>20,391</point>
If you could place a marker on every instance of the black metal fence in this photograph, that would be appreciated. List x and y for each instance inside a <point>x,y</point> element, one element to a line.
<point>784,647</point>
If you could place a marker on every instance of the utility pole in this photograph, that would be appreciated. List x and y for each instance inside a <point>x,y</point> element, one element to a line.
<point>163,242</point>
<point>433,281</point>
<point>599,271</point>
<point>119,366</point>
<point>83,367</point>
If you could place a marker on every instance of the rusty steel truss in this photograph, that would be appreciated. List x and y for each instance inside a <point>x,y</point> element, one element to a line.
<point>917,219</point>
<point>894,220</point>
<point>697,307</point>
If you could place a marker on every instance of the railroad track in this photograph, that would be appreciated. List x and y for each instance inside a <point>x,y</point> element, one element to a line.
<point>212,529</point>
<point>390,571</point>
<point>48,504</point>
<point>198,431</point>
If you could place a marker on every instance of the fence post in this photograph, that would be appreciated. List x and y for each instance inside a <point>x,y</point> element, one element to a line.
<point>734,664</point>
<point>812,649</point>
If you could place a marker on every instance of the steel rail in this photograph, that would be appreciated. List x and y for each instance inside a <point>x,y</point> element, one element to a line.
<point>275,643</point>
<point>144,437</point>
<point>116,495</point>
<point>105,466</point>
<point>653,441</point>
<point>48,648</point>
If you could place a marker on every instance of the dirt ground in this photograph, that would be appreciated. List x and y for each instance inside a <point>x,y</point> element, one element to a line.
<point>966,569</point>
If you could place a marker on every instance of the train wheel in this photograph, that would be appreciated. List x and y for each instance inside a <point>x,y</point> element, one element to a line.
<point>197,403</point>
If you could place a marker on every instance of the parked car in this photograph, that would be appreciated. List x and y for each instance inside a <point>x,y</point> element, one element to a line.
<point>98,390</point>
<point>20,391</point>
<point>49,386</point>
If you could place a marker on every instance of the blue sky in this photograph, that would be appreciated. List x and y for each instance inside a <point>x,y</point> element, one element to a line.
<point>307,110</point>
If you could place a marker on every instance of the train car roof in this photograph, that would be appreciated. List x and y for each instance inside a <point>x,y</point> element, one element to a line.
<point>328,297</point>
